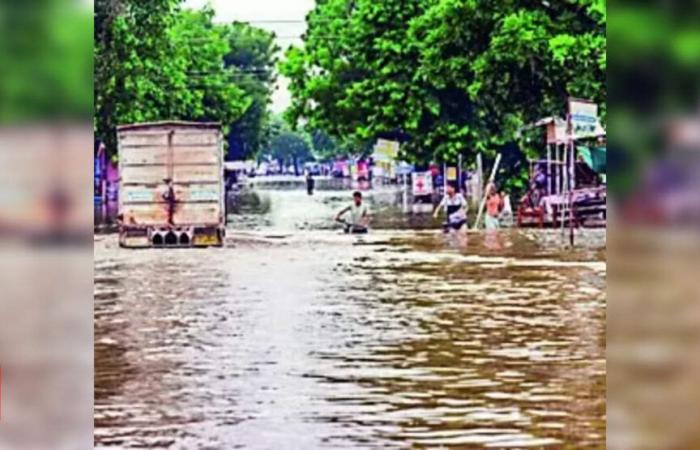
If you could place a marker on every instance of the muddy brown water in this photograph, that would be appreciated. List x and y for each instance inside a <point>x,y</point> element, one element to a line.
<point>296,336</point>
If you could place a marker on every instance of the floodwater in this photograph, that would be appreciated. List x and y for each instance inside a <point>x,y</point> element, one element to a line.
<point>296,336</point>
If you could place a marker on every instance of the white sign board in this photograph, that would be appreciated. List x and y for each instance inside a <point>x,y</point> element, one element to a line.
<point>584,119</point>
<point>422,183</point>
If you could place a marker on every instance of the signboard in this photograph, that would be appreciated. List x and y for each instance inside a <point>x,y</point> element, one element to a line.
<point>404,169</point>
<point>583,116</point>
<point>385,149</point>
<point>451,174</point>
<point>422,183</point>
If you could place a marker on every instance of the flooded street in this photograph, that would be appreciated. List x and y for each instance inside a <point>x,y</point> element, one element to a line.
<point>297,336</point>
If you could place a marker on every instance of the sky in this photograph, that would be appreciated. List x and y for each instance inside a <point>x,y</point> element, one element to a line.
<point>284,17</point>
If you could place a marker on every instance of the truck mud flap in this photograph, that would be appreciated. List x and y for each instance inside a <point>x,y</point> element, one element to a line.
<point>208,237</point>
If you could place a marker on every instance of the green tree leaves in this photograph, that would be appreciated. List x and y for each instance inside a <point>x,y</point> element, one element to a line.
<point>252,58</point>
<point>155,61</point>
<point>452,76</point>
<point>45,61</point>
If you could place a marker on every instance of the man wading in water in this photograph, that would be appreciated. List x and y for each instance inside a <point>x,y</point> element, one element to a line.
<point>455,207</point>
<point>359,215</point>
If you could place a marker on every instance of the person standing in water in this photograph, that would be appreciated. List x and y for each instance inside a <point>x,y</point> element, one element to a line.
<point>310,183</point>
<point>359,215</point>
<point>455,207</point>
<point>494,206</point>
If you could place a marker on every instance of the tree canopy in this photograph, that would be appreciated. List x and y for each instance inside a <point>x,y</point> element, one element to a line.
<point>46,61</point>
<point>446,76</point>
<point>157,61</point>
<point>252,56</point>
<point>288,146</point>
<point>653,79</point>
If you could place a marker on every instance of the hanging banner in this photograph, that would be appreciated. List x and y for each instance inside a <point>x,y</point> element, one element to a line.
<point>422,183</point>
<point>583,117</point>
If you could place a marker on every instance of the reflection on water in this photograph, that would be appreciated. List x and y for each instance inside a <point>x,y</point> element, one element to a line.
<point>295,336</point>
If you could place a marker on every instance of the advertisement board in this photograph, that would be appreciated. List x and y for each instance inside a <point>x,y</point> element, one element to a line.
<point>583,116</point>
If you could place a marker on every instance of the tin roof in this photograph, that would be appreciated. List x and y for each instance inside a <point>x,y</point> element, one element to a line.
<point>170,123</point>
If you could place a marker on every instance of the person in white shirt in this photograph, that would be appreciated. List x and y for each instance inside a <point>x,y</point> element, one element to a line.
<point>359,215</point>
<point>455,207</point>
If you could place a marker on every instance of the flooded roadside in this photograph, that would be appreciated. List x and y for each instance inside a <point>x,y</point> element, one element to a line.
<point>297,336</point>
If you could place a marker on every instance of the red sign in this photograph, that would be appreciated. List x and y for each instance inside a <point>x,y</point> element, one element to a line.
<point>422,183</point>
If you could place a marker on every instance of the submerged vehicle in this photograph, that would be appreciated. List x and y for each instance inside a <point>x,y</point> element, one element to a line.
<point>172,191</point>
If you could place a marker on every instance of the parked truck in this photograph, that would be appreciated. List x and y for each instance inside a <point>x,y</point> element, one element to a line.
<point>171,185</point>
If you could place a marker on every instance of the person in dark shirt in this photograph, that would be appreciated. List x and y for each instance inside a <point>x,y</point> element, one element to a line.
<point>169,197</point>
<point>310,183</point>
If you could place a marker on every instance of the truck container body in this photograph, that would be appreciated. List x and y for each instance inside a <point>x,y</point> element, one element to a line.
<point>171,185</point>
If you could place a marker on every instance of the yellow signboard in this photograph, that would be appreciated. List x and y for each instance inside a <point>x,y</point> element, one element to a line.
<point>387,149</point>
<point>451,174</point>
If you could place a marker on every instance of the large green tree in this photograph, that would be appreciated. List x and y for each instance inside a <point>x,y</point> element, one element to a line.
<point>287,146</point>
<point>252,57</point>
<point>445,76</point>
<point>354,76</point>
<point>155,61</point>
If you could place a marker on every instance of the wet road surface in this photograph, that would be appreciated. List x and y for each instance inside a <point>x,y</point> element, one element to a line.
<point>295,336</point>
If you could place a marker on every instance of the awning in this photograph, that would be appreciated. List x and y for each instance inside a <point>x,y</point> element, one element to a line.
<point>595,157</point>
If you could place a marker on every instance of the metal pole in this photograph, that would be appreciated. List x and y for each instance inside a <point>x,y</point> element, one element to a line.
<point>405,193</point>
<point>444,178</point>
<point>565,169</point>
<point>557,169</point>
<point>572,178</point>
<point>564,188</point>
<point>549,169</point>
<point>480,177</point>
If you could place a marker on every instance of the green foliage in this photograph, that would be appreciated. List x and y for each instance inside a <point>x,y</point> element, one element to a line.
<point>450,76</point>
<point>45,61</point>
<point>288,146</point>
<point>154,61</point>
<point>325,147</point>
<point>252,58</point>
<point>654,76</point>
